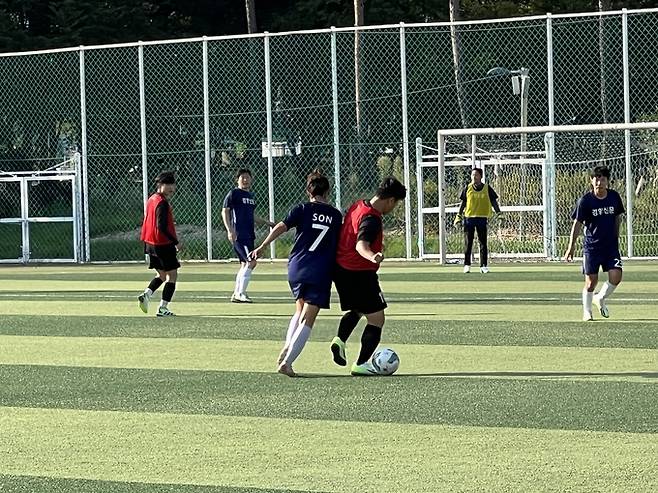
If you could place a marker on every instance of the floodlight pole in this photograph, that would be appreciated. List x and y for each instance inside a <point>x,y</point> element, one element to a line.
<point>525,88</point>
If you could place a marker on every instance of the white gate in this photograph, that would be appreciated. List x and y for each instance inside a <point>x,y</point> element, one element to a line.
<point>42,214</point>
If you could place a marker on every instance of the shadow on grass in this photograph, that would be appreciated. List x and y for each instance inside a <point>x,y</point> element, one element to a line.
<point>538,374</point>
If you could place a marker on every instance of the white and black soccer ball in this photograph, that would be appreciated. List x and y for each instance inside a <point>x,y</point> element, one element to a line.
<point>385,361</point>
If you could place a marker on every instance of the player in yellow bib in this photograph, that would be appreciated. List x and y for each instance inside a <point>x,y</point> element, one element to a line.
<point>477,200</point>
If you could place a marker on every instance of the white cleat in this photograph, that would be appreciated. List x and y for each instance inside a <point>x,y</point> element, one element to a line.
<point>144,300</point>
<point>164,312</point>
<point>587,317</point>
<point>484,269</point>
<point>240,298</point>
<point>603,308</point>
<point>467,269</point>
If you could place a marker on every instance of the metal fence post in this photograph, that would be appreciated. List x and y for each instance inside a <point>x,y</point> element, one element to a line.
<point>405,141</point>
<point>270,160</point>
<point>334,98</point>
<point>83,161</point>
<point>627,139</point>
<point>549,68</point>
<point>206,149</point>
<point>142,121</point>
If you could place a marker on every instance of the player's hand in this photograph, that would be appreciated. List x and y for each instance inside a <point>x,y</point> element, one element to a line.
<point>458,220</point>
<point>179,246</point>
<point>271,224</point>
<point>377,258</point>
<point>256,254</point>
<point>568,256</point>
<point>231,236</point>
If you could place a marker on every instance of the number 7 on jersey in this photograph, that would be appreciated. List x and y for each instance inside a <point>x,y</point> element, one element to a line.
<point>323,231</point>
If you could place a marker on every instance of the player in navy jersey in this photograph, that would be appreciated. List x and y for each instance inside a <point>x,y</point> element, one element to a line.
<point>239,219</point>
<point>310,264</point>
<point>600,212</point>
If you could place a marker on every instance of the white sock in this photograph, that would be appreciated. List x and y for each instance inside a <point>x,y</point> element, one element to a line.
<point>148,292</point>
<point>587,300</point>
<point>238,279</point>
<point>292,326</point>
<point>297,344</point>
<point>606,290</point>
<point>164,303</point>
<point>244,280</point>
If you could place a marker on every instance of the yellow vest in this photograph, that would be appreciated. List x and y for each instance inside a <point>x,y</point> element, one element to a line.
<point>477,203</point>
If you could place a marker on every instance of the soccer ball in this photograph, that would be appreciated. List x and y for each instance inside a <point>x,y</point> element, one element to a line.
<point>385,361</point>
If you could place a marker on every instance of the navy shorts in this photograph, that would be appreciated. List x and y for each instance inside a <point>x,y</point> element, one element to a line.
<point>313,294</point>
<point>243,249</point>
<point>593,260</point>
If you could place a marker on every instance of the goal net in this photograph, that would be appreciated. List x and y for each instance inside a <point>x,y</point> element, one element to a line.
<point>538,173</point>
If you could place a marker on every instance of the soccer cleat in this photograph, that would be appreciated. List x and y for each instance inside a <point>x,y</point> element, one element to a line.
<point>144,300</point>
<point>338,350</point>
<point>285,369</point>
<point>364,370</point>
<point>163,311</point>
<point>484,269</point>
<point>587,317</point>
<point>467,269</point>
<point>603,308</point>
<point>240,298</point>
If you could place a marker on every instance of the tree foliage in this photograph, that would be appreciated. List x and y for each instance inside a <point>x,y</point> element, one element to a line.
<point>37,24</point>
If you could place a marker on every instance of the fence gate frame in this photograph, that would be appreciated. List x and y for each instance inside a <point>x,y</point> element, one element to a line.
<point>59,173</point>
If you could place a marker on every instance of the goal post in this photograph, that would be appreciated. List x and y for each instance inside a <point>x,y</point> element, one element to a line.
<point>539,173</point>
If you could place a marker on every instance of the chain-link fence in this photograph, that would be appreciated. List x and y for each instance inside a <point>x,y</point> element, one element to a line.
<point>349,102</point>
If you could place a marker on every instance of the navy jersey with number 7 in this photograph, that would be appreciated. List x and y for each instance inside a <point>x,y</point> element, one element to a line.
<point>313,255</point>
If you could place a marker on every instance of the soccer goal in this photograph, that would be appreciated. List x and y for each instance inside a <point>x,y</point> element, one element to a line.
<point>41,214</point>
<point>538,173</point>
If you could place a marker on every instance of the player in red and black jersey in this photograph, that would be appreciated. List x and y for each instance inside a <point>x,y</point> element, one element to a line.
<point>161,244</point>
<point>357,261</point>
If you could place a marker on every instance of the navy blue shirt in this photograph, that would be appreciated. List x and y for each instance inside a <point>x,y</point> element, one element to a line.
<point>599,217</point>
<point>242,205</point>
<point>314,253</point>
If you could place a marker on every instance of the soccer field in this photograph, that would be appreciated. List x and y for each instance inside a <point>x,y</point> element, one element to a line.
<point>501,387</point>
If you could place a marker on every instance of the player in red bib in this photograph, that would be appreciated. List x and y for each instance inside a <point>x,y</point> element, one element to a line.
<point>161,244</point>
<point>357,261</point>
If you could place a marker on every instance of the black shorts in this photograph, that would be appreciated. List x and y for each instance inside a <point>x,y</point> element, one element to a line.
<point>162,257</point>
<point>359,291</point>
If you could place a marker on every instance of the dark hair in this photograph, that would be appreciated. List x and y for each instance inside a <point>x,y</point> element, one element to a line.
<point>600,171</point>
<point>243,171</point>
<point>317,183</point>
<point>479,170</point>
<point>166,178</point>
<point>391,187</point>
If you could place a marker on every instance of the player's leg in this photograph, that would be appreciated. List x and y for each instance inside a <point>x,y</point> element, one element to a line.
<point>292,326</point>
<point>481,228</point>
<point>246,277</point>
<point>348,289</point>
<point>168,293</point>
<point>469,235</point>
<point>591,264</point>
<point>299,338</point>
<point>144,299</point>
<point>373,307</point>
<point>614,269</point>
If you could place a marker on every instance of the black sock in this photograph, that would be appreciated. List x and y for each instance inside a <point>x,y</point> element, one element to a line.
<point>168,291</point>
<point>347,324</point>
<point>369,342</point>
<point>155,283</point>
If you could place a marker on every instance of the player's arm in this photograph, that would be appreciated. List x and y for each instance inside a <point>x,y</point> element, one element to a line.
<point>228,224</point>
<point>260,221</point>
<point>617,225</point>
<point>277,231</point>
<point>462,206</point>
<point>576,229</point>
<point>493,198</point>
<point>162,222</point>
<point>369,229</point>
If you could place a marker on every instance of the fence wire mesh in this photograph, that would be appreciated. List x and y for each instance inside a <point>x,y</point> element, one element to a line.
<point>449,85</point>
